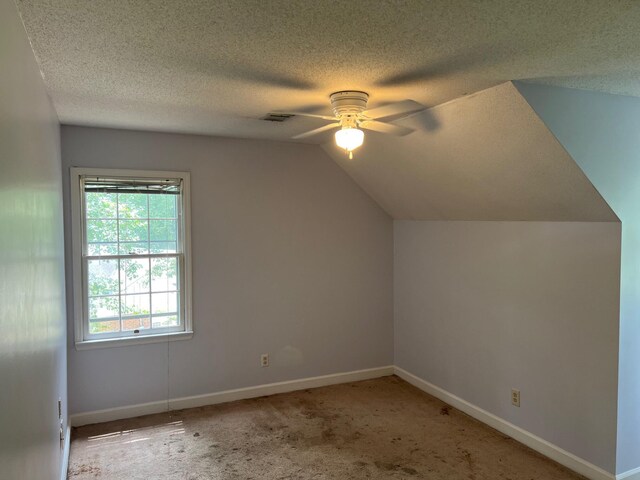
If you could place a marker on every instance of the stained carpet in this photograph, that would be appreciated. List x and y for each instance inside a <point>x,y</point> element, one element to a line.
<point>382,428</point>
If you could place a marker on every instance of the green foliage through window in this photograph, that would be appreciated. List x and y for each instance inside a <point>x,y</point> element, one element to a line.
<point>130,290</point>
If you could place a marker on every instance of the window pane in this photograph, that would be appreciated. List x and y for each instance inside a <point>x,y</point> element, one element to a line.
<point>164,274</point>
<point>134,275</point>
<point>132,205</point>
<point>133,248</point>
<point>164,303</point>
<point>166,321</point>
<point>100,205</point>
<point>130,324</point>
<point>103,277</point>
<point>163,247</point>
<point>136,306</point>
<point>163,230</point>
<point>162,206</point>
<point>102,231</point>
<point>109,326</point>
<point>104,308</point>
<point>102,249</point>
<point>133,230</point>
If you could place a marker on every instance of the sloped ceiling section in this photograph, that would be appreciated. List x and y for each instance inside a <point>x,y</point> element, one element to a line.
<point>487,156</point>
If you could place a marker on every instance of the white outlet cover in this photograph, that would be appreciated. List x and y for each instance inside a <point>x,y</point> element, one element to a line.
<point>515,397</point>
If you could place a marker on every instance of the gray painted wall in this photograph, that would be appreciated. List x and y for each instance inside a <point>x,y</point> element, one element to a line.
<point>32,307</point>
<point>483,307</point>
<point>290,257</point>
<point>602,134</point>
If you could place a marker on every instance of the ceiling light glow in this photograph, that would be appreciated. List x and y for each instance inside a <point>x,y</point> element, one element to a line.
<point>349,139</point>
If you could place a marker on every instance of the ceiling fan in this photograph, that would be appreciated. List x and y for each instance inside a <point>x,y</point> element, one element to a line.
<point>351,115</point>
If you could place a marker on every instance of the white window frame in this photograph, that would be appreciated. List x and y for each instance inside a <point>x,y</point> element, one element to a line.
<point>80,310</point>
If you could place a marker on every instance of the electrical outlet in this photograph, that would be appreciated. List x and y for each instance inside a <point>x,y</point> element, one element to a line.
<point>515,397</point>
<point>264,360</point>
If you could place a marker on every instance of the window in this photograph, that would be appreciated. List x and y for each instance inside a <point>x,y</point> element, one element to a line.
<point>131,256</point>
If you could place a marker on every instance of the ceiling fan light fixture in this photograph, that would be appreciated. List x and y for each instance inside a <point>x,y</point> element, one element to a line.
<point>349,139</point>
<point>351,115</point>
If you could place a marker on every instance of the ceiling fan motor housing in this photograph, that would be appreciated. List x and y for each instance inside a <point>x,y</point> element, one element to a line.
<point>348,105</point>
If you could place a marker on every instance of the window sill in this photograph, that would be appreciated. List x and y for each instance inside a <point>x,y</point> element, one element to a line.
<point>121,342</point>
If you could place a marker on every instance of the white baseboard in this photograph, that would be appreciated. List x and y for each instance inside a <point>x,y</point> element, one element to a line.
<point>64,465</point>
<point>630,475</point>
<point>280,387</point>
<point>130,411</point>
<point>542,446</point>
<point>118,413</point>
<point>547,449</point>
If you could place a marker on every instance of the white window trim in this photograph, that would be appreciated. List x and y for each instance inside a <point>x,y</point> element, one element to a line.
<point>77,247</point>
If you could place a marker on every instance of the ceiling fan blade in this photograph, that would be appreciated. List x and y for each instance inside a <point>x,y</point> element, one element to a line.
<point>317,130</point>
<point>382,127</point>
<point>301,114</point>
<point>406,106</point>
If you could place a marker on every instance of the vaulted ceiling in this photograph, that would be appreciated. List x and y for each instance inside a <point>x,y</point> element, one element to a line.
<point>487,156</point>
<point>217,67</point>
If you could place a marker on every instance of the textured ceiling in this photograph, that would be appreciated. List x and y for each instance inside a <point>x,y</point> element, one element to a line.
<point>215,67</point>
<point>487,156</point>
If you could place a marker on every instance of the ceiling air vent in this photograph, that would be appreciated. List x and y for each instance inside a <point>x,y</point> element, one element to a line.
<point>278,117</point>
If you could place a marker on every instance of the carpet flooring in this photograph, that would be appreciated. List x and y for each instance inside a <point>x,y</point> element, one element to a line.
<point>377,429</point>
